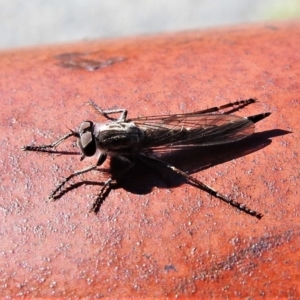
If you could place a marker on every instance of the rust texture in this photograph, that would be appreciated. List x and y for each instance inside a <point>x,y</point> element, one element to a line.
<point>160,238</point>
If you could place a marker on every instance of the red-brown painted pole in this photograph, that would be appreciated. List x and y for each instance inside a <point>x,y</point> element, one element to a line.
<point>173,239</point>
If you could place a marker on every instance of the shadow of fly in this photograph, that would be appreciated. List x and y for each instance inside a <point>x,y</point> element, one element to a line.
<point>140,138</point>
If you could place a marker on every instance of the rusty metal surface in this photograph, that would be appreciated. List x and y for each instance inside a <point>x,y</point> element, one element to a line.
<point>171,239</point>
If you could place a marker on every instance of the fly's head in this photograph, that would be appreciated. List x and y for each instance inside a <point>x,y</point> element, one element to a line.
<point>86,141</point>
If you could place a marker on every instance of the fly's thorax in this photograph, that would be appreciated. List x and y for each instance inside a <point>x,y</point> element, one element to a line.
<point>118,136</point>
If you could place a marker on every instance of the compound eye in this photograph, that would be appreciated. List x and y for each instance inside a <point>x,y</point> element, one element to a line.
<point>86,140</point>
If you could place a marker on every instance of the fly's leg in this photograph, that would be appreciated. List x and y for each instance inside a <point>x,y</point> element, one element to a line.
<point>105,190</point>
<point>216,194</point>
<point>108,186</point>
<point>45,148</point>
<point>59,188</point>
<point>234,105</point>
<point>55,193</point>
<point>195,182</point>
<point>106,113</point>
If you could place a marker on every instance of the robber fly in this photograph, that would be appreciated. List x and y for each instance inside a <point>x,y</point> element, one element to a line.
<point>135,139</point>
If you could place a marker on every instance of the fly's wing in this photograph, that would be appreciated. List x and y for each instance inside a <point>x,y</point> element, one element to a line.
<point>186,131</point>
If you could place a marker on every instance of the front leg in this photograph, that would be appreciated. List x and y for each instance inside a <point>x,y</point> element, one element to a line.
<point>45,148</point>
<point>55,194</point>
